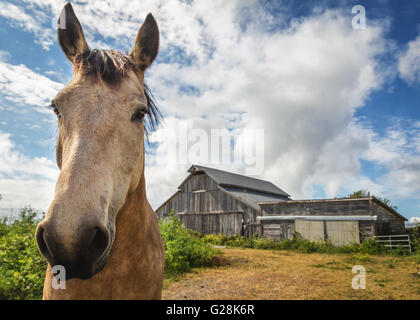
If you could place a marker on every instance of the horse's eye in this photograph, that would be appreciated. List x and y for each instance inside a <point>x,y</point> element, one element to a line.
<point>138,116</point>
<point>57,113</point>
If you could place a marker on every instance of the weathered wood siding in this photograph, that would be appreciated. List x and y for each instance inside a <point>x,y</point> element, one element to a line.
<point>317,208</point>
<point>214,223</point>
<point>387,223</point>
<point>366,230</point>
<point>206,208</point>
<point>278,230</point>
<point>338,232</point>
<point>200,194</point>
<point>251,225</point>
<point>199,182</point>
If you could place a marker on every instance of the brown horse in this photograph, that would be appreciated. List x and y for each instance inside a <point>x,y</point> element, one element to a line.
<point>100,226</point>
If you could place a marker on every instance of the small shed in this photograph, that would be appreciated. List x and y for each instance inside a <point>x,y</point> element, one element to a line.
<point>340,221</point>
<point>215,201</point>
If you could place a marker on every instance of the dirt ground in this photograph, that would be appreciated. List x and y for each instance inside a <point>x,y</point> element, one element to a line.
<point>272,275</point>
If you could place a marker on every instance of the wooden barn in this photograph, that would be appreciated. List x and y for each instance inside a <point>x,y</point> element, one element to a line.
<point>216,201</point>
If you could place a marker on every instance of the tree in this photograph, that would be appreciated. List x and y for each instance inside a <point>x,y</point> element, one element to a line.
<point>363,193</point>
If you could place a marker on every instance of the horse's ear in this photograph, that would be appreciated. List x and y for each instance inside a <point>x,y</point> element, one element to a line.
<point>70,33</point>
<point>146,47</point>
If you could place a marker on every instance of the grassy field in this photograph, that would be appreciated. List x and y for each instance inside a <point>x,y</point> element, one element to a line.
<point>267,274</point>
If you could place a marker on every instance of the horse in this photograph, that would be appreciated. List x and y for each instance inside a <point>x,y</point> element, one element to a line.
<point>100,228</point>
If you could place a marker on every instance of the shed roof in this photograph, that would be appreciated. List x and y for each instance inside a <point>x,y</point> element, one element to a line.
<point>229,179</point>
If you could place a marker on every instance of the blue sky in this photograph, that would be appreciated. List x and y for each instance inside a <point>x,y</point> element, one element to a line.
<point>339,107</point>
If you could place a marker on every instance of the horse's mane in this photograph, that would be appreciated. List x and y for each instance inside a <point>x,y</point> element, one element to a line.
<point>111,66</point>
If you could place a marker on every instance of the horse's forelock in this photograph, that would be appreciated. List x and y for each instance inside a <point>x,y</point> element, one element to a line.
<point>108,65</point>
<point>111,66</point>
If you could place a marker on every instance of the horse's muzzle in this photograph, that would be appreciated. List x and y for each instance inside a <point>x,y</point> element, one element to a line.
<point>86,254</point>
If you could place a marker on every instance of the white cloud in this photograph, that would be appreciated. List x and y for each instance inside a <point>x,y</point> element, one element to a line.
<point>409,62</point>
<point>398,152</point>
<point>17,16</point>
<point>23,86</point>
<point>301,85</point>
<point>24,180</point>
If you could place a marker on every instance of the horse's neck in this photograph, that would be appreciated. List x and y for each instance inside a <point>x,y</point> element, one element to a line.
<point>133,223</point>
<point>137,255</point>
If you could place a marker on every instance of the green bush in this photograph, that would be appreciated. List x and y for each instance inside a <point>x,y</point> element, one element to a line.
<point>266,244</point>
<point>22,269</point>
<point>370,246</point>
<point>217,239</point>
<point>416,257</point>
<point>183,250</point>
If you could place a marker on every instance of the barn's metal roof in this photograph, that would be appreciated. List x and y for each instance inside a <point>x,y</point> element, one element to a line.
<point>229,179</point>
<point>252,198</point>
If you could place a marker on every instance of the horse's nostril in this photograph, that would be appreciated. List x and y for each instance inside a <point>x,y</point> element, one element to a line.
<point>41,240</point>
<point>98,243</point>
<point>82,257</point>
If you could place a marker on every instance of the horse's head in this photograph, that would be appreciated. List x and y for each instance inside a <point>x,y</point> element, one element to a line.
<point>100,146</point>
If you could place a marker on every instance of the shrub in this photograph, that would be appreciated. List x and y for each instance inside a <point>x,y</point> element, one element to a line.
<point>217,239</point>
<point>267,244</point>
<point>400,251</point>
<point>416,258</point>
<point>22,269</point>
<point>370,246</point>
<point>183,250</point>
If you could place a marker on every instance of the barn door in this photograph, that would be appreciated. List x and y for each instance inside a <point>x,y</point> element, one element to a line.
<point>231,223</point>
<point>343,232</point>
<point>310,229</point>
